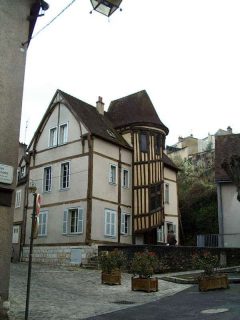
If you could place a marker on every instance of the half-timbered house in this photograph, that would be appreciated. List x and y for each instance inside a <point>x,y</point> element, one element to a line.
<point>102,177</point>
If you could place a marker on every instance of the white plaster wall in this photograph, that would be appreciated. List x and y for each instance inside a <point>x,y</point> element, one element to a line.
<point>60,152</point>
<point>101,186</point>
<point>60,115</point>
<point>170,179</point>
<point>78,181</point>
<point>126,193</point>
<point>231,215</point>
<point>106,148</point>
<point>128,138</point>
<point>18,212</point>
<point>55,225</point>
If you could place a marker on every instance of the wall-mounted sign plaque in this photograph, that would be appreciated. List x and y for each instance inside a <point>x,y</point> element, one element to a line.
<point>6,174</point>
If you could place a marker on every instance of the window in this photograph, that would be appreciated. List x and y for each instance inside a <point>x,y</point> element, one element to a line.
<point>113,174</point>
<point>160,234</point>
<point>22,171</point>
<point>52,137</point>
<point>18,199</point>
<point>125,223</point>
<point>110,223</point>
<point>73,221</point>
<point>158,143</point>
<point>47,179</point>
<point>143,142</point>
<point>63,133</point>
<point>15,234</point>
<point>65,175</point>
<point>42,228</point>
<point>166,193</point>
<point>125,178</point>
<point>155,197</point>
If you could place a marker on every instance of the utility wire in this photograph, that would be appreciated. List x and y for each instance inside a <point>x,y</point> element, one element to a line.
<point>50,22</point>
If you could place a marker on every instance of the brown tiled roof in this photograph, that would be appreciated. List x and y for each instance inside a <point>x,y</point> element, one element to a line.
<point>225,147</point>
<point>169,163</point>
<point>135,109</point>
<point>96,123</point>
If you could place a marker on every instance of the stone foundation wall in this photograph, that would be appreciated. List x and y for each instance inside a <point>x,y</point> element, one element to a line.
<point>61,255</point>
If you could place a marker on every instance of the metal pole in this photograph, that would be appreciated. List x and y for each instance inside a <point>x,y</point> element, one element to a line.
<point>30,257</point>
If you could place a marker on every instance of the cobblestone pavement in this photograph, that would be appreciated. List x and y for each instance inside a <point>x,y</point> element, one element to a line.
<point>59,293</point>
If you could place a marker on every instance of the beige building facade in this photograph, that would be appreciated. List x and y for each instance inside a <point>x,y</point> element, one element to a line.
<point>85,169</point>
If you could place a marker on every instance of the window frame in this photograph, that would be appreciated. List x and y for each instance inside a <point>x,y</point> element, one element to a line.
<point>18,198</point>
<point>142,147</point>
<point>158,143</point>
<point>67,220</point>
<point>110,180</point>
<point>61,175</point>
<point>112,223</point>
<point>54,137</point>
<point>161,234</point>
<point>44,179</point>
<point>41,223</point>
<point>126,186</point>
<point>125,224</point>
<point>65,140</point>
<point>155,192</point>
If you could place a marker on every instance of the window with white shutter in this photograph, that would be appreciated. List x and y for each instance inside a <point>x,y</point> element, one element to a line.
<point>63,134</point>
<point>125,223</point>
<point>18,199</point>
<point>52,137</point>
<point>113,174</point>
<point>110,223</point>
<point>73,221</point>
<point>65,175</point>
<point>65,221</point>
<point>47,179</point>
<point>42,229</point>
<point>125,178</point>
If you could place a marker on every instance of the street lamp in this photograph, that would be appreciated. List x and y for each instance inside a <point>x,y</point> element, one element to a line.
<point>106,7</point>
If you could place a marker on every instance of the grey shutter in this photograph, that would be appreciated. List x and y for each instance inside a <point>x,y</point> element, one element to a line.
<point>80,220</point>
<point>65,221</point>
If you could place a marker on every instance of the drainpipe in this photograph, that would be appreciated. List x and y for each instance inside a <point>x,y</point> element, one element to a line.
<point>220,215</point>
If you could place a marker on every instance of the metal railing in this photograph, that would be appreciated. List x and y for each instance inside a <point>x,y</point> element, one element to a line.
<point>219,240</point>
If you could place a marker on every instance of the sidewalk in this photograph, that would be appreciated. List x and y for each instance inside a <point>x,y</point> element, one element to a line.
<point>59,293</point>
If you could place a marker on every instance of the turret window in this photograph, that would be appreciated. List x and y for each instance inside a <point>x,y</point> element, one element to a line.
<point>143,142</point>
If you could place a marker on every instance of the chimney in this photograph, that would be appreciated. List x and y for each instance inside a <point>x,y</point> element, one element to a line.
<point>229,130</point>
<point>100,106</point>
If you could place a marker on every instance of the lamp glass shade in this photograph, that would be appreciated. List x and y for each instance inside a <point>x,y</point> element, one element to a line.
<point>106,7</point>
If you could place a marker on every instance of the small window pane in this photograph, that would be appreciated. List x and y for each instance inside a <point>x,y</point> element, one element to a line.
<point>63,134</point>
<point>53,137</point>
<point>65,175</point>
<point>143,142</point>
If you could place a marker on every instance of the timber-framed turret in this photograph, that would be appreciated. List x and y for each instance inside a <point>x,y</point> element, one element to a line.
<point>135,117</point>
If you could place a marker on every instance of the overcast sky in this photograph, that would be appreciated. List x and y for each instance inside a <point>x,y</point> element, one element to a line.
<point>185,53</point>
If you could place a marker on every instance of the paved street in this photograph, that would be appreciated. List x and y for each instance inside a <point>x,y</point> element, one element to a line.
<point>189,304</point>
<point>68,293</point>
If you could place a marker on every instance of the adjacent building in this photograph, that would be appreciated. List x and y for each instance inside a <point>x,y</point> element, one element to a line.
<point>103,177</point>
<point>228,146</point>
<point>17,20</point>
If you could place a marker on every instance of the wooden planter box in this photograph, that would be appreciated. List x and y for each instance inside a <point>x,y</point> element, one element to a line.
<point>111,278</point>
<point>218,281</point>
<point>145,284</point>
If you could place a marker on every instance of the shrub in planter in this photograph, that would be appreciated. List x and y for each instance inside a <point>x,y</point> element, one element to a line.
<point>111,263</point>
<point>210,279</point>
<point>143,267</point>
